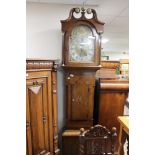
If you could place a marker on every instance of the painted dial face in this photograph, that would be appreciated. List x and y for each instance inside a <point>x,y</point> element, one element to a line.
<point>81,45</point>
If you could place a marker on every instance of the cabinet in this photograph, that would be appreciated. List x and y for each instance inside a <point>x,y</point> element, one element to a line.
<point>41,108</point>
<point>113,94</point>
<point>112,98</point>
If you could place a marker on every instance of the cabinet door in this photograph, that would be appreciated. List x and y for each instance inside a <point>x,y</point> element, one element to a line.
<point>80,89</point>
<point>37,115</point>
<point>28,128</point>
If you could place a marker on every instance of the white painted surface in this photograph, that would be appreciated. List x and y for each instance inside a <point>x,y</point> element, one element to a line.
<point>44,39</point>
<point>75,2</point>
<point>116,55</point>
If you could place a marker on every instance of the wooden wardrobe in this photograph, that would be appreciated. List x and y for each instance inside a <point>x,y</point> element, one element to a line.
<point>41,107</point>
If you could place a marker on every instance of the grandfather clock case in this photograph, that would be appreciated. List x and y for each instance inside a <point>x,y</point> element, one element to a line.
<point>80,61</point>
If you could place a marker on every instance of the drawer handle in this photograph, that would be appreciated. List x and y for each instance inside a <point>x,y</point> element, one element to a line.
<point>27,124</point>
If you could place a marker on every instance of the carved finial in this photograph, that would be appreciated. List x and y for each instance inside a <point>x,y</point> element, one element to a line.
<point>83,9</point>
<point>89,11</point>
<point>77,10</point>
<point>82,130</point>
<point>91,128</point>
<point>114,129</point>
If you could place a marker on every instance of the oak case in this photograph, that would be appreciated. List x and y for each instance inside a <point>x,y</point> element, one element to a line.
<point>41,108</point>
<point>80,68</point>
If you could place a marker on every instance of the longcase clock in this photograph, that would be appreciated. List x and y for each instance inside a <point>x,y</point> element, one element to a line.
<point>80,61</point>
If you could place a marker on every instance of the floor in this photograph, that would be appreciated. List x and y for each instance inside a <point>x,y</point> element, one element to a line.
<point>125,147</point>
<point>126,112</point>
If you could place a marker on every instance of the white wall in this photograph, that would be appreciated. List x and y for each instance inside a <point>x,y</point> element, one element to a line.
<point>44,30</point>
<point>117,55</point>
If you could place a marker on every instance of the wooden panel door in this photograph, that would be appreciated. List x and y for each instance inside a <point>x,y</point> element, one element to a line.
<point>37,116</point>
<point>28,128</point>
<point>80,99</point>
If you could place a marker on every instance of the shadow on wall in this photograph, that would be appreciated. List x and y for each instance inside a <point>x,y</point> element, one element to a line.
<point>61,106</point>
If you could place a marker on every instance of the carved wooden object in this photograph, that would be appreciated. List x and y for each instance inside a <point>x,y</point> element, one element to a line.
<point>41,108</point>
<point>98,140</point>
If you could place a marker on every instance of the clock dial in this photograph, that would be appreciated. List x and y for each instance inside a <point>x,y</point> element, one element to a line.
<point>81,45</point>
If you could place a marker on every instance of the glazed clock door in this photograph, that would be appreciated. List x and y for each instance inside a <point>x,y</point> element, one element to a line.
<point>37,116</point>
<point>80,100</point>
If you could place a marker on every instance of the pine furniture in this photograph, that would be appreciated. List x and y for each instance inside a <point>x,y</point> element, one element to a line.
<point>41,107</point>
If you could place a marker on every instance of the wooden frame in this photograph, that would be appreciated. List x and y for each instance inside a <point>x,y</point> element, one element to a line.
<point>96,27</point>
<point>41,89</point>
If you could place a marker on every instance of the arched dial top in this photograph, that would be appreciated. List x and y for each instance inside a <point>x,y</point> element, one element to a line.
<point>81,38</point>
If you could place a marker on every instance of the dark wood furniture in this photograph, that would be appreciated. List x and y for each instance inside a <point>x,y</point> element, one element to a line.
<point>80,61</point>
<point>80,96</point>
<point>112,97</point>
<point>87,34</point>
<point>113,93</point>
<point>108,70</point>
<point>97,140</point>
<point>70,142</point>
<point>41,107</point>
